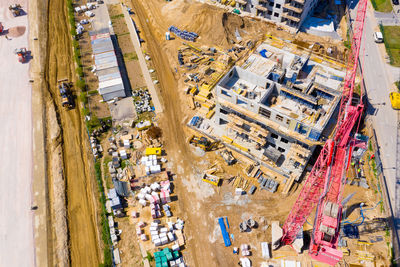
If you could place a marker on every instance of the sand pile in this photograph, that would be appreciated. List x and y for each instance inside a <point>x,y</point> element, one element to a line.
<point>214,25</point>
<point>16,31</point>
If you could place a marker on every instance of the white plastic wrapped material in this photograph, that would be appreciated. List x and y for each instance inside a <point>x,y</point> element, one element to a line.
<point>148,197</point>
<point>148,163</point>
<point>153,228</point>
<point>245,253</point>
<point>178,226</point>
<point>141,224</point>
<point>171,236</point>
<point>156,197</point>
<point>245,262</point>
<point>163,230</point>
<point>148,189</point>
<point>155,169</point>
<point>143,159</point>
<point>163,235</point>
<point>139,231</point>
<point>134,214</point>
<point>155,186</point>
<point>157,242</point>
<point>154,224</point>
<point>143,237</point>
<point>164,240</point>
<point>154,162</point>
<point>154,237</point>
<point>244,246</point>
<point>140,196</point>
<point>155,232</point>
<point>142,202</point>
<point>175,247</point>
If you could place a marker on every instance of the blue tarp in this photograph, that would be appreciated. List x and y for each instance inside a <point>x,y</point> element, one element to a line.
<point>263,53</point>
<point>225,233</point>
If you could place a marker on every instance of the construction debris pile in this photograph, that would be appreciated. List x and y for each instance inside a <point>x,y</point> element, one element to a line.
<point>142,101</point>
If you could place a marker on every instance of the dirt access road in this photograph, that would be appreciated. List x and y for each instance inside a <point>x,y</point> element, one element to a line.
<point>16,225</point>
<point>80,183</point>
<point>200,250</point>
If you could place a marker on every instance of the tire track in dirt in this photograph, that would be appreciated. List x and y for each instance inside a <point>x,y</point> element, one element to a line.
<point>172,124</point>
<point>80,186</point>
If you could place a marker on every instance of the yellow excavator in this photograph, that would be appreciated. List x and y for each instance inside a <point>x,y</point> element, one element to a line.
<point>203,143</point>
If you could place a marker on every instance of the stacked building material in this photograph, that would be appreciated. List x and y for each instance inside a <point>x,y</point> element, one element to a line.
<point>189,36</point>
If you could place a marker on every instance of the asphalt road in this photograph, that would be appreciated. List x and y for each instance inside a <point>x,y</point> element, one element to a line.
<point>379,80</point>
<point>16,224</point>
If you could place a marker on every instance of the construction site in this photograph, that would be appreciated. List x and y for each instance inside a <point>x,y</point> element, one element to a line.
<point>184,133</point>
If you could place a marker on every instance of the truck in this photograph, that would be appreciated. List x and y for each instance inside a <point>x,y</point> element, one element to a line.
<point>15,9</point>
<point>203,143</point>
<point>228,157</point>
<point>21,53</point>
<point>65,93</point>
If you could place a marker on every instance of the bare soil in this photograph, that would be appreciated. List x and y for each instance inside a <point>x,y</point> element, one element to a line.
<point>80,183</point>
<point>200,203</point>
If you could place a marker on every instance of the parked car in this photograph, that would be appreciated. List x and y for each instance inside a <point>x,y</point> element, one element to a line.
<point>378,37</point>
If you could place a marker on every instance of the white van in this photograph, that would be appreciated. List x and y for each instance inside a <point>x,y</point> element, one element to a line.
<point>378,37</point>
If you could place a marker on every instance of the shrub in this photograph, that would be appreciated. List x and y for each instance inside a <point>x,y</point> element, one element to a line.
<point>79,71</point>
<point>83,98</point>
<point>81,84</point>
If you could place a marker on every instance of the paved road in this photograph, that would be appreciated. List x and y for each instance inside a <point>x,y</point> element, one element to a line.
<point>379,78</point>
<point>387,19</point>
<point>16,224</point>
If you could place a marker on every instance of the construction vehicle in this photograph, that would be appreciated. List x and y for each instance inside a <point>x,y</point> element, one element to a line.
<point>211,179</point>
<point>65,93</point>
<point>203,143</point>
<point>324,185</point>
<point>395,100</point>
<point>21,53</point>
<point>228,157</point>
<point>15,9</point>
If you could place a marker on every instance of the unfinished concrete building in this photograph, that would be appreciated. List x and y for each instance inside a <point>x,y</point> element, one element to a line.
<point>276,107</point>
<point>289,12</point>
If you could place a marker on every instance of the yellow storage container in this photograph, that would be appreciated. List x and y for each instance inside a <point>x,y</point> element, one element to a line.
<point>153,151</point>
<point>395,100</point>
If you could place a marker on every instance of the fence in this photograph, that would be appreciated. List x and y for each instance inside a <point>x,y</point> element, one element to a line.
<point>391,211</point>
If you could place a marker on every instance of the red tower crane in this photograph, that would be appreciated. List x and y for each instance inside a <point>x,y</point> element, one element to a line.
<point>323,187</point>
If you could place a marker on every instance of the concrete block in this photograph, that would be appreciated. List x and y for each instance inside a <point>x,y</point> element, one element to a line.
<point>277,234</point>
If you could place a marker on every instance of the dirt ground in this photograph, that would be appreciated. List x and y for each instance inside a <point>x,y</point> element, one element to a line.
<point>200,203</point>
<point>127,49</point>
<point>80,183</point>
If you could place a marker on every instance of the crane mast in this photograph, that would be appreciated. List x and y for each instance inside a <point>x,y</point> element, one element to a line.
<point>324,185</point>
